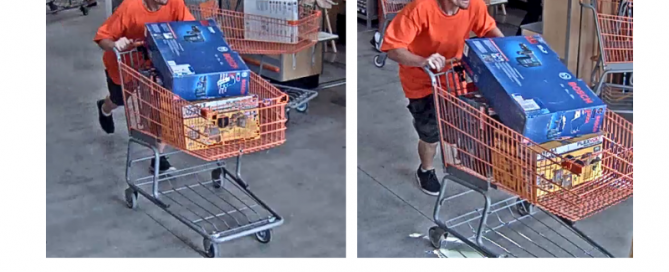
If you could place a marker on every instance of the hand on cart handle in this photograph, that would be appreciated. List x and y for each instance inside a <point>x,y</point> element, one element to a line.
<point>124,44</point>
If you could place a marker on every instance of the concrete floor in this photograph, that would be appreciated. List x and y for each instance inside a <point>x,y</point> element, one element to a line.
<point>390,205</point>
<point>303,180</point>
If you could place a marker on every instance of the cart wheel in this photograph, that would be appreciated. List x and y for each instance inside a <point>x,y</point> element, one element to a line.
<point>84,10</point>
<point>287,118</point>
<point>302,108</point>
<point>437,236</point>
<point>211,248</point>
<point>524,208</point>
<point>217,178</point>
<point>131,198</point>
<point>264,236</point>
<point>379,61</point>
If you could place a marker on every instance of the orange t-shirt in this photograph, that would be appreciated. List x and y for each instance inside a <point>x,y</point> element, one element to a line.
<point>424,29</point>
<point>129,21</point>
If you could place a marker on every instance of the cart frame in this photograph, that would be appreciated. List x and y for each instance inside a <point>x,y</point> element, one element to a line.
<point>524,211</point>
<point>217,211</point>
<point>615,51</point>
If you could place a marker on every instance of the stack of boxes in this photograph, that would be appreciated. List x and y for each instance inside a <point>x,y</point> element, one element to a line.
<point>534,94</point>
<point>271,20</point>
<point>192,59</point>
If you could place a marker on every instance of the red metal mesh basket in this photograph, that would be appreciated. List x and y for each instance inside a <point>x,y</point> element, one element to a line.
<point>208,135</point>
<point>253,34</point>
<point>393,6</point>
<point>615,29</point>
<point>474,142</point>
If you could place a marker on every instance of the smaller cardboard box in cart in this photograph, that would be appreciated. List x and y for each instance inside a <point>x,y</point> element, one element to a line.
<point>532,91</point>
<point>582,163</point>
<point>222,121</point>
<point>271,20</point>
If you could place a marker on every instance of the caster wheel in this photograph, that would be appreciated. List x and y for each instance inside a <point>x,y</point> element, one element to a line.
<point>84,10</point>
<point>524,208</point>
<point>437,236</point>
<point>302,108</point>
<point>131,198</point>
<point>217,178</point>
<point>52,6</point>
<point>264,236</point>
<point>379,61</point>
<point>211,249</point>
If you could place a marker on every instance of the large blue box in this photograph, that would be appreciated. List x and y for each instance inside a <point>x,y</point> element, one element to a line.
<point>530,89</point>
<point>194,61</point>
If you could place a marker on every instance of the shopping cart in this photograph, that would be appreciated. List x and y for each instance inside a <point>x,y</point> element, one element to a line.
<point>208,198</point>
<point>612,76</point>
<point>390,8</point>
<point>236,28</point>
<point>481,154</point>
<point>56,6</point>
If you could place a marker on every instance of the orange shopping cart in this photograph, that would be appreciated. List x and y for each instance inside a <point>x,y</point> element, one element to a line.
<point>261,35</point>
<point>208,198</point>
<point>390,8</point>
<point>529,199</point>
<point>613,74</point>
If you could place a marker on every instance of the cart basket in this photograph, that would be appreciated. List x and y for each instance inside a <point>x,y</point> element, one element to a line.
<point>474,142</point>
<point>614,29</point>
<point>203,133</point>
<point>253,34</point>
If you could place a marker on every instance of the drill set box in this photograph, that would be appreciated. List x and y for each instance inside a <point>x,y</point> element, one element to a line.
<point>195,62</point>
<point>532,91</point>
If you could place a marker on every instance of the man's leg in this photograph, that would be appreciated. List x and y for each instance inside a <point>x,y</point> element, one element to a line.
<point>425,123</point>
<point>426,152</point>
<point>108,104</point>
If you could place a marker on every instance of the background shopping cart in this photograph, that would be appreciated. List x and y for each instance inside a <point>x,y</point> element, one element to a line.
<point>390,8</point>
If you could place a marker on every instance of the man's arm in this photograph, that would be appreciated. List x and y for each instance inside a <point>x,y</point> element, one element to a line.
<point>111,31</point>
<point>406,58</point>
<point>484,24</point>
<point>494,33</point>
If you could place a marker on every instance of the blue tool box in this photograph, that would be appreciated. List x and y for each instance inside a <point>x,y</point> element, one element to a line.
<point>530,89</point>
<point>194,61</point>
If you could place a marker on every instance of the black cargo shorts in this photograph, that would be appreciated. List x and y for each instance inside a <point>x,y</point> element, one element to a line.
<point>424,118</point>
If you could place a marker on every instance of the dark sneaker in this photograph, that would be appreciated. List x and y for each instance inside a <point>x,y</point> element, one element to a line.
<point>106,122</point>
<point>428,182</point>
<point>164,165</point>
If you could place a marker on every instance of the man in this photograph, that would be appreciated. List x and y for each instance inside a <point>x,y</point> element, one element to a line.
<point>427,33</point>
<point>120,32</point>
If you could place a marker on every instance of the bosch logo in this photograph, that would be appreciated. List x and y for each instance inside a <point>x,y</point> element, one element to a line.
<point>565,76</point>
<point>584,96</point>
<point>222,49</point>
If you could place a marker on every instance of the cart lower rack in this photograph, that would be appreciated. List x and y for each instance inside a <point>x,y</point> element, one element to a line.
<point>481,154</point>
<point>509,227</point>
<point>207,197</point>
<point>56,6</point>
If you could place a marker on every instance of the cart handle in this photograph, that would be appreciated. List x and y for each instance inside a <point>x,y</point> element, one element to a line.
<point>133,45</point>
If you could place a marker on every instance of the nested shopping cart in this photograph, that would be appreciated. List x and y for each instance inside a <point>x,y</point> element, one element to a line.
<point>537,218</point>
<point>254,35</point>
<point>207,197</point>
<point>612,76</point>
<point>390,8</point>
<point>56,6</point>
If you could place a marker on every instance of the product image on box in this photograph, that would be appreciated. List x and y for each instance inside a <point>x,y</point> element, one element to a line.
<point>194,61</point>
<point>582,163</point>
<point>221,121</point>
<point>271,20</point>
<point>527,57</point>
<point>532,90</point>
<point>195,35</point>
